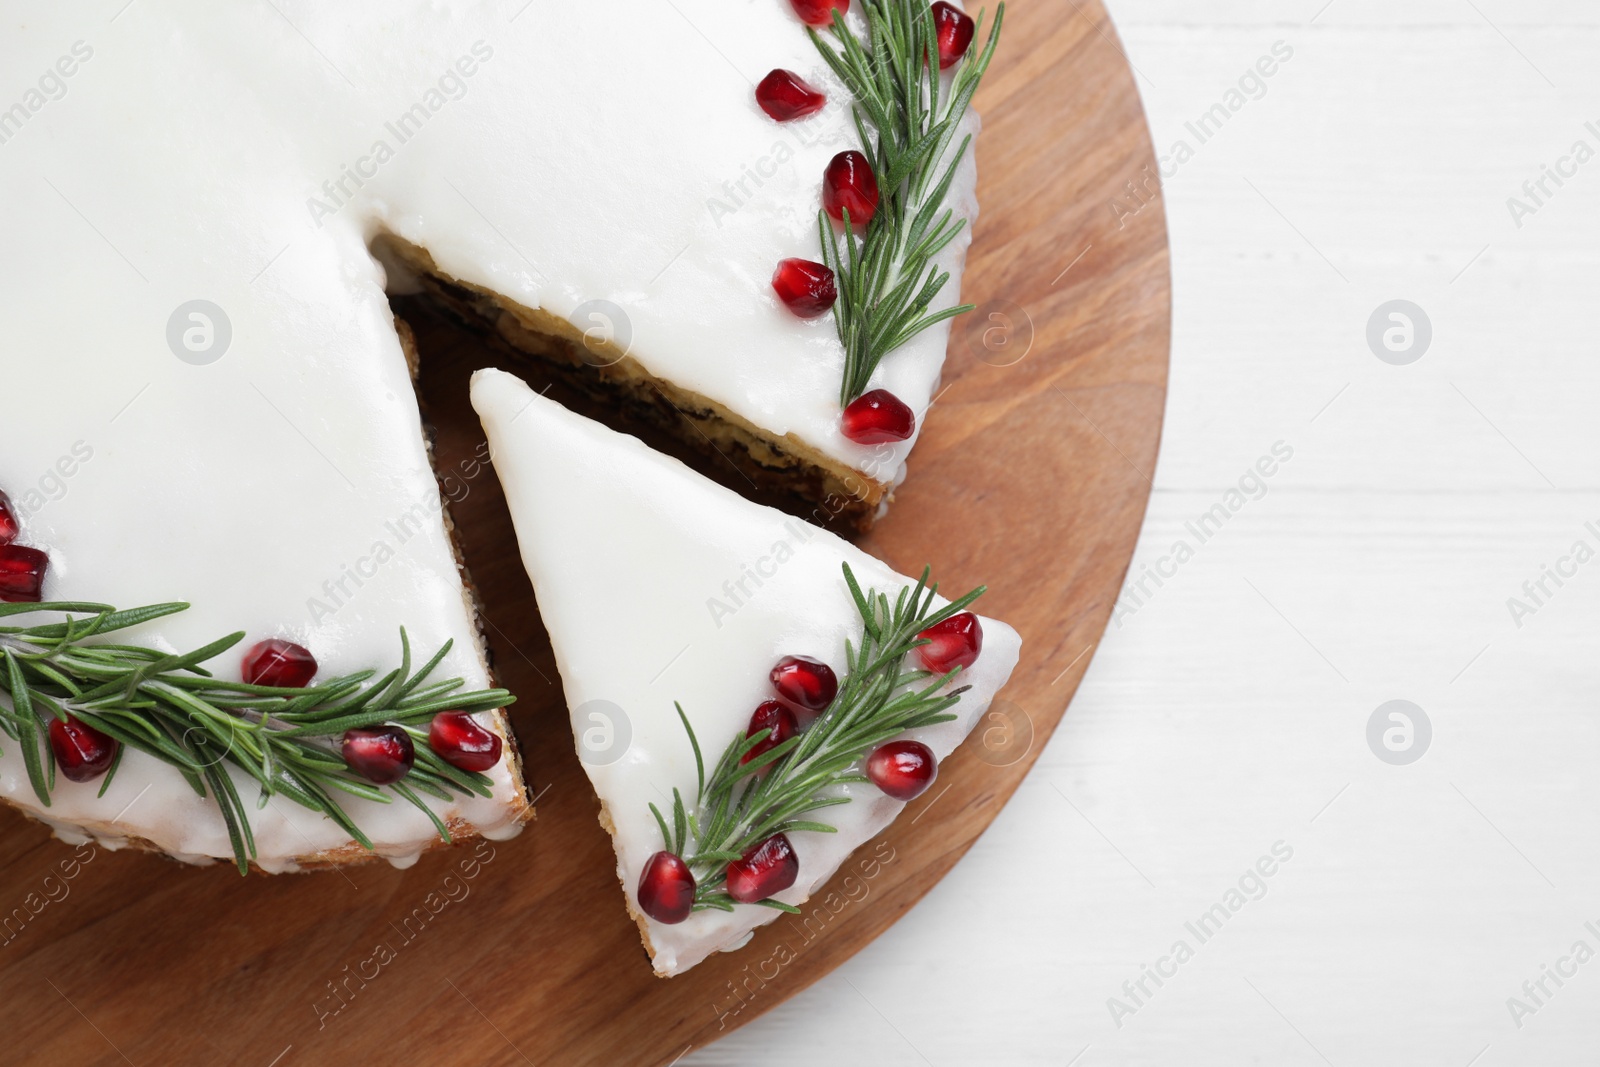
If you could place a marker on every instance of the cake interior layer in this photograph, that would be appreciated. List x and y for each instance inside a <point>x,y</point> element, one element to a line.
<point>618,391</point>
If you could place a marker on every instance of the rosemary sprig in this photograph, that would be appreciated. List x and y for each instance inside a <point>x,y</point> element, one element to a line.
<point>173,709</point>
<point>887,278</point>
<point>735,807</point>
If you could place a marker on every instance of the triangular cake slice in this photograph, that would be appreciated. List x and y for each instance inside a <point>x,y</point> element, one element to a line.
<point>660,590</point>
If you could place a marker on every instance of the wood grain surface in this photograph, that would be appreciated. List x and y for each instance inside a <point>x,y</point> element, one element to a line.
<point>1031,477</point>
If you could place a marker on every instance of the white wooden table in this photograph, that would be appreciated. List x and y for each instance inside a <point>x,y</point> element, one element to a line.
<point>1228,713</point>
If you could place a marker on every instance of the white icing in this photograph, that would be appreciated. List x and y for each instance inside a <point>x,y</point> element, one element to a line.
<point>178,150</point>
<point>626,548</point>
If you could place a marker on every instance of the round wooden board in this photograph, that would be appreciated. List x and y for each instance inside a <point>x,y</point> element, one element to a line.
<point>1032,477</point>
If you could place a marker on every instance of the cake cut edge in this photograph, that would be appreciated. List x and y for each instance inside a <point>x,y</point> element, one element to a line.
<point>811,484</point>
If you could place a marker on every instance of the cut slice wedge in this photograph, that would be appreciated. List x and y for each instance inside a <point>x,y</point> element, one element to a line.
<point>662,589</point>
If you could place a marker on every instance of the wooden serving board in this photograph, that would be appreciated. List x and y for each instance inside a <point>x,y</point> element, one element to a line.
<point>1032,477</point>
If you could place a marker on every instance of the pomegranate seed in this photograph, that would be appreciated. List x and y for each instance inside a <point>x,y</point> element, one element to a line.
<point>806,683</point>
<point>954,30</point>
<point>785,96</point>
<point>82,752</point>
<point>819,12</point>
<point>767,868</point>
<point>666,889</point>
<point>849,184</point>
<point>772,716</point>
<point>805,287</point>
<point>380,754</point>
<point>9,527</point>
<point>22,574</point>
<point>902,769</point>
<point>461,741</point>
<point>953,643</point>
<point>279,663</point>
<point>876,418</point>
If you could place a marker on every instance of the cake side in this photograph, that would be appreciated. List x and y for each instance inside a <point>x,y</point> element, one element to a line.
<point>821,488</point>
<point>117,836</point>
<point>522,809</point>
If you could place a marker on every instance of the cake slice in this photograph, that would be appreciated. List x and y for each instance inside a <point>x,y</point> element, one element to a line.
<point>664,591</point>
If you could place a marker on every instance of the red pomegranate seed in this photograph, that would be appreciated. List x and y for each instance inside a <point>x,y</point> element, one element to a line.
<point>954,30</point>
<point>666,889</point>
<point>772,716</point>
<point>786,96</point>
<point>82,752</point>
<point>819,12</point>
<point>807,683</point>
<point>22,574</point>
<point>380,754</point>
<point>902,769</point>
<point>849,184</point>
<point>805,287</point>
<point>876,418</point>
<point>953,643</point>
<point>279,663</point>
<point>767,868</point>
<point>461,741</point>
<point>9,527</point>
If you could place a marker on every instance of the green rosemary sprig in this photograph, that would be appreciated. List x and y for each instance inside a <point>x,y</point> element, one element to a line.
<point>171,708</point>
<point>736,808</point>
<point>887,278</point>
